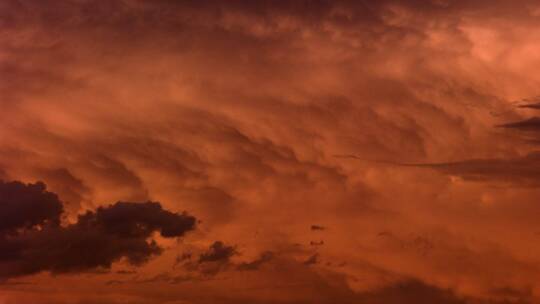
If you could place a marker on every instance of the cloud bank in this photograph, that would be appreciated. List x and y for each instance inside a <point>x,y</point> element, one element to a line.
<point>349,150</point>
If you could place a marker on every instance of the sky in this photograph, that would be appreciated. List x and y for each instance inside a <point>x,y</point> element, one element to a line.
<point>269,152</point>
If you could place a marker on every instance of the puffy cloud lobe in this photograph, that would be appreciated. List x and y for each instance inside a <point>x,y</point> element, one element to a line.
<point>97,239</point>
<point>218,252</point>
<point>126,219</point>
<point>215,259</point>
<point>27,205</point>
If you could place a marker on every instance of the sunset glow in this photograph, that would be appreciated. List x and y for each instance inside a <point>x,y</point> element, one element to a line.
<point>269,152</point>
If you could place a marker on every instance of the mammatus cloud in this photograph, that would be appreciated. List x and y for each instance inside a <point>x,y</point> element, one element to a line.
<point>33,239</point>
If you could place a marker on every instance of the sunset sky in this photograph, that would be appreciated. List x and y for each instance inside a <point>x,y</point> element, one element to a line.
<point>269,152</point>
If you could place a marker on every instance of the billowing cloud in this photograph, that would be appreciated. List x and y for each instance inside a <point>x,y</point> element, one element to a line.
<point>26,206</point>
<point>405,128</point>
<point>217,252</point>
<point>32,239</point>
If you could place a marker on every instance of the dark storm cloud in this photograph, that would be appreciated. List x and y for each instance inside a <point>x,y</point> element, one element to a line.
<point>218,252</point>
<point>26,206</point>
<point>96,240</point>
<point>212,261</point>
<point>126,219</point>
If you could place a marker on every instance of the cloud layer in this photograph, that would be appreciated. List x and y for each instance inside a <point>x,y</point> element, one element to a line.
<point>360,151</point>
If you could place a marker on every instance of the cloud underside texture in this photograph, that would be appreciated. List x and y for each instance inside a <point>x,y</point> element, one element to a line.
<point>364,151</point>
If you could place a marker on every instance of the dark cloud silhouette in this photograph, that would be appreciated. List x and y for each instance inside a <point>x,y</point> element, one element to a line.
<point>27,205</point>
<point>33,240</point>
<point>218,252</point>
<point>317,227</point>
<point>215,259</point>
<point>127,219</point>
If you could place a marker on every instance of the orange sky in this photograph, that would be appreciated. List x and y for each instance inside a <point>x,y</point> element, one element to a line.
<point>324,152</point>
